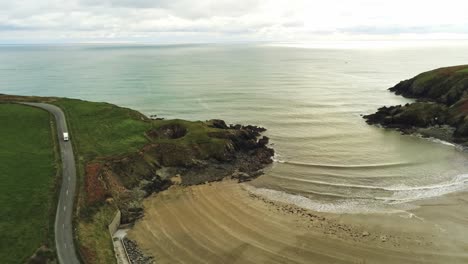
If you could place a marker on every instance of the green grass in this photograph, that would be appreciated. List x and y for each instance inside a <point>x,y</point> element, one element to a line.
<point>423,78</point>
<point>27,177</point>
<point>426,78</point>
<point>463,70</point>
<point>95,235</point>
<point>102,129</point>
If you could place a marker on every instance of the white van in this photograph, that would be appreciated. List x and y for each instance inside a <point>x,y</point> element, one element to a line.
<point>65,136</point>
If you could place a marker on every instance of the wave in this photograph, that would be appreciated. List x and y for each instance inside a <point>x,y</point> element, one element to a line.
<point>408,194</point>
<point>443,142</point>
<point>340,166</point>
<point>277,157</point>
<point>458,180</point>
<point>447,143</point>
<point>401,195</point>
<point>339,206</point>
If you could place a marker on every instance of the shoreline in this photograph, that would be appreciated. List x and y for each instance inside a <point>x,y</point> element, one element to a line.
<point>205,223</point>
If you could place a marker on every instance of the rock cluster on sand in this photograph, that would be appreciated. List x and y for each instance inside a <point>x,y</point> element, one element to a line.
<point>441,109</point>
<point>134,253</point>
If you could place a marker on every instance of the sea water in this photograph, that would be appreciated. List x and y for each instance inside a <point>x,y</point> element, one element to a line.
<point>311,100</point>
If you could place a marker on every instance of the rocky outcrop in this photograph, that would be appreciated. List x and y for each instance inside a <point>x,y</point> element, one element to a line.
<point>440,110</point>
<point>410,115</point>
<point>180,152</point>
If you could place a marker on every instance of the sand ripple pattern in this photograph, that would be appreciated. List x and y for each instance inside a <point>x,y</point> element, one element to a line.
<point>223,223</point>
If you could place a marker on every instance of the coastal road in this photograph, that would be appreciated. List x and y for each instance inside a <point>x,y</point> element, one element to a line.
<point>63,218</point>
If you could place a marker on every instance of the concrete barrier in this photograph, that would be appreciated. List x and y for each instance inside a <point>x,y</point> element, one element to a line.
<point>114,225</point>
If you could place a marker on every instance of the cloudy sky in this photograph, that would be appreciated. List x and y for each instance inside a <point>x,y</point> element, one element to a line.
<point>184,21</point>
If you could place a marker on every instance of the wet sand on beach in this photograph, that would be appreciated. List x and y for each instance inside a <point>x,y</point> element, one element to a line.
<point>224,223</point>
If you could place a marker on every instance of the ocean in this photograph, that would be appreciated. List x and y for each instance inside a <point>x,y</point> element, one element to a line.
<point>311,100</point>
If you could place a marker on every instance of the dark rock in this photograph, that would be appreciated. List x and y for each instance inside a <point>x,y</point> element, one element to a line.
<point>254,129</point>
<point>217,123</point>
<point>156,185</point>
<point>263,141</point>
<point>412,115</point>
<point>135,254</point>
<point>237,127</point>
<point>171,131</point>
<point>442,101</point>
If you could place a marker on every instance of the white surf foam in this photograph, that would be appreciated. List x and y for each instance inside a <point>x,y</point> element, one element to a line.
<point>346,166</point>
<point>443,142</point>
<point>407,194</point>
<point>395,203</point>
<point>340,206</point>
<point>458,181</point>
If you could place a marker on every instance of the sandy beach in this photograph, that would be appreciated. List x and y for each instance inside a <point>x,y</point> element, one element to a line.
<point>224,223</point>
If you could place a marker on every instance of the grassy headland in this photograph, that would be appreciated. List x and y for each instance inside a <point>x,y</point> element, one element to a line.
<point>123,156</point>
<point>27,181</point>
<point>441,109</point>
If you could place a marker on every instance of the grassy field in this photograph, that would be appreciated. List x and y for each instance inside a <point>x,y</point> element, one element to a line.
<point>104,129</point>
<point>27,177</point>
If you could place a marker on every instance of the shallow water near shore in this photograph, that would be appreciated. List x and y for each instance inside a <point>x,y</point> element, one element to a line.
<point>311,101</point>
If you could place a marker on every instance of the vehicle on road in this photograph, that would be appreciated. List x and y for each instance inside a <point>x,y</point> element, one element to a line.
<point>65,136</point>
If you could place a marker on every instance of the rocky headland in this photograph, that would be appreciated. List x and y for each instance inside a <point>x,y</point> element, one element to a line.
<point>440,109</point>
<point>180,153</point>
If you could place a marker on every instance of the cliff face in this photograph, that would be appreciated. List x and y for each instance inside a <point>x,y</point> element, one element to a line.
<point>441,104</point>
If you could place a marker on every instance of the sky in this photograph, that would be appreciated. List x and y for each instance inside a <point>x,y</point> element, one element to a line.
<point>213,21</point>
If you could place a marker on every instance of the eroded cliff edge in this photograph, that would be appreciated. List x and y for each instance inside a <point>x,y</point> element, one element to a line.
<point>440,109</point>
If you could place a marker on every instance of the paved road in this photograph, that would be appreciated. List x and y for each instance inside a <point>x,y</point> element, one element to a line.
<point>63,219</point>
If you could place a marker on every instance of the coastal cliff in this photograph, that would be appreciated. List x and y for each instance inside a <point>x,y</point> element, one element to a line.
<point>180,152</point>
<point>123,156</point>
<point>440,109</point>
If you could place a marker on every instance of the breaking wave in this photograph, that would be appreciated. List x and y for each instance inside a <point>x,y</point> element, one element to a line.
<point>400,195</point>
<point>341,166</point>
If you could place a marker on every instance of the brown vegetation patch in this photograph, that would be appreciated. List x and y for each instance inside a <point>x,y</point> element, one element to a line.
<point>88,255</point>
<point>463,108</point>
<point>94,185</point>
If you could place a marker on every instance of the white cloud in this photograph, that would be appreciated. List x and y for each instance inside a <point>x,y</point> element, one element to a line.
<point>228,20</point>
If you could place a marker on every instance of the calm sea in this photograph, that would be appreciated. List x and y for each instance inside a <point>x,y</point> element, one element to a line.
<point>311,100</point>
